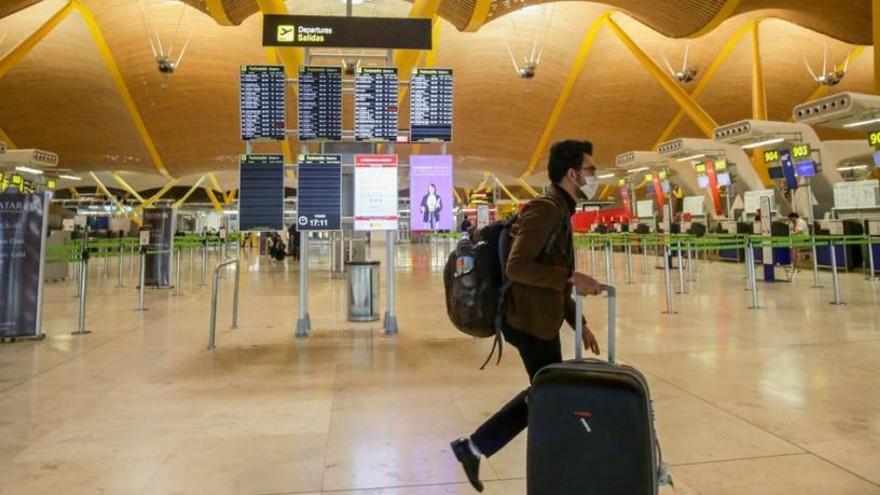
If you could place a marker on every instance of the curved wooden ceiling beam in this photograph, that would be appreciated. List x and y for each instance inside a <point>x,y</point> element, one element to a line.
<point>695,18</point>
<point>678,18</point>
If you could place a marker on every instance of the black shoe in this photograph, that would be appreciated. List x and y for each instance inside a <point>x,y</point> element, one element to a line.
<point>470,462</point>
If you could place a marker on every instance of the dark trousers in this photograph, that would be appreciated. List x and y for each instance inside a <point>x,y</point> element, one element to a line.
<point>513,418</point>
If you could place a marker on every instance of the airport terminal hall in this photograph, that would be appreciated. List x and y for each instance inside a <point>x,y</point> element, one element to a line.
<point>431,247</point>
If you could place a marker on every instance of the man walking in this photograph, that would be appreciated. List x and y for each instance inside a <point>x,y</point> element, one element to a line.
<point>540,295</point>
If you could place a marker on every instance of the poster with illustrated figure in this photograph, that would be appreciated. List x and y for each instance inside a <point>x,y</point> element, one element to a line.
<point>430,190</point>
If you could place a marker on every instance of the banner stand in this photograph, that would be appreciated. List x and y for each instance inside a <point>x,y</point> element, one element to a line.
<point>23,211</point>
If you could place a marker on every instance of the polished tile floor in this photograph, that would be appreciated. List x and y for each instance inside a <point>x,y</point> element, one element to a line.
<point>782,400</point>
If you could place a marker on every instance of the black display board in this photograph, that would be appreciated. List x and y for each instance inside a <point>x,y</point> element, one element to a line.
<point>24,221</point>
<point>320,104</point>
<point>261,192</point>
<point>263,102</point>
<point>375,104</point>
<point>430,105</point>
<point>161,222</point>
<point>347,32</point>
<point>319,195</point>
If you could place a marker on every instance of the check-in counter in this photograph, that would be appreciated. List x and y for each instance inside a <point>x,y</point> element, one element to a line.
<point>56,271</point>
<point>848,257</point>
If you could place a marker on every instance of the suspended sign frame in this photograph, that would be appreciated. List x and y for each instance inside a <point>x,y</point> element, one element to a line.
<point>347,32</point>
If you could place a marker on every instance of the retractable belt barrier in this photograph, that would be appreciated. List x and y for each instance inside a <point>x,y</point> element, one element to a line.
<point>677,244</point>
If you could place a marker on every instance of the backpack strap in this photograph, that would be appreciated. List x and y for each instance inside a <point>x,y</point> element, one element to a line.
<point>503,250</point>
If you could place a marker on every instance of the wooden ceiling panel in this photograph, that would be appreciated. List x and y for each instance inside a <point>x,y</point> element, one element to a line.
<point>675,18</point>
<point>498,115</point>
<point>9,7</point>
<point>847,20</point>
<point>599,111</point>
<point>60,98</point>
<point>192,115</point>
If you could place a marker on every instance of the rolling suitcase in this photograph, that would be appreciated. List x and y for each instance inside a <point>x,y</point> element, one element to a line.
<point>591,425</point>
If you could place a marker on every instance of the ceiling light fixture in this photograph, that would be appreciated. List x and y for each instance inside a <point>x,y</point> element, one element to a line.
<point>861,123</point>
<point>29,170</point>
<point>605,176</point>
<point>692,157</point>
<point>69,177</point>
<point>854,167</point>
<point>765,142</point>
<point>635,170</point>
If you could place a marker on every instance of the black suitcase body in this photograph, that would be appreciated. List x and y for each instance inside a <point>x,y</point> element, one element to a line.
<point>591,427</point>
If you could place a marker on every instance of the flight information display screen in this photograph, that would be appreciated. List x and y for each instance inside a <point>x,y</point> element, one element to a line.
<point>261,192</point>
<point>263,102</point>
<point>375,104</point>
<point>430,105</point>
<point>319,194</point>
<point>320,104</point>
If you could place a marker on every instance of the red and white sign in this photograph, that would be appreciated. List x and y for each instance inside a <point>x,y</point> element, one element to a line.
<point>375,192</point>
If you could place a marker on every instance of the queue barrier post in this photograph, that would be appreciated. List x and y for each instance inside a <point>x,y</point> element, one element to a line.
<point>213,322</point>
<point>141,278</point>
<point>83,284</point>
<point>835,278</point>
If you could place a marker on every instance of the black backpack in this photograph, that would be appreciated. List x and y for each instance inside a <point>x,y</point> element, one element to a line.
<point>476,285</point>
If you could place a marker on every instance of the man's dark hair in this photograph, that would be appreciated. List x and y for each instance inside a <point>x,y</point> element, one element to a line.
<point>566,155</point>
<point>793,215</point>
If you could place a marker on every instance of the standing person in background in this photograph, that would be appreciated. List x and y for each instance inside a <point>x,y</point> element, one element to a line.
<point>796,226</point>
<point>293,240</point>
<point>541,270</point>
<point>468,229</point>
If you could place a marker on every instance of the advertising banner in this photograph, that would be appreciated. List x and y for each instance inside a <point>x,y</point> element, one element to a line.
<point>24,221</point>
<point>430,193</point>
<point>375,192</point>
<point>160,223</point>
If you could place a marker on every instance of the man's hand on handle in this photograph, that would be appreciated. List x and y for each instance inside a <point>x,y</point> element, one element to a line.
<point>585,284</point>
<point>590,342</point>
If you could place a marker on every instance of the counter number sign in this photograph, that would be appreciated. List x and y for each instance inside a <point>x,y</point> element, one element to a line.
<point>801,151</point>
<point>874,139</point>
<point>771,156</point>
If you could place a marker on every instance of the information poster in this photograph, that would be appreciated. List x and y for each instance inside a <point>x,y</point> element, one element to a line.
<point>375,192</point>
<point>23,226</point>
<point>645,208</point>
<point>160,222</point>
<point>261,192</point>
<point>319,195</point>
<point>430,190</point>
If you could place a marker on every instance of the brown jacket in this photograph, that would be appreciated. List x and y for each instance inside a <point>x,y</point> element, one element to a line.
<point>540,295</point>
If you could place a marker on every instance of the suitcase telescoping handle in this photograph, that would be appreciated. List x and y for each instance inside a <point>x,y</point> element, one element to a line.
<point>612,322</point>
